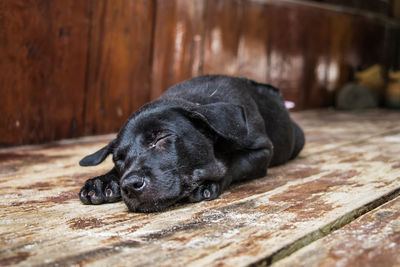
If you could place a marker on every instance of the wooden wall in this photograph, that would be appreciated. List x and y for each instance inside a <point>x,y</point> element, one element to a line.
<point>70,68</point>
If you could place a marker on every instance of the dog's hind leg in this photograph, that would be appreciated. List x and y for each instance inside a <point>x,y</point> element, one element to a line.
<point>101,189</point>
<point>299,140</point>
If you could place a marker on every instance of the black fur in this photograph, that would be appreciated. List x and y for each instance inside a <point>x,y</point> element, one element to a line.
<point>193,142</point>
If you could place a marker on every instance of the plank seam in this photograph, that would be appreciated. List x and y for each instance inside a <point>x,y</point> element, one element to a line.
<point>327,229</point>
<point>88,65</point>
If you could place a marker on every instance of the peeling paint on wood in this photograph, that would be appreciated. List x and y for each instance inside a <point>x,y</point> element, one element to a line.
<point>43,222</point>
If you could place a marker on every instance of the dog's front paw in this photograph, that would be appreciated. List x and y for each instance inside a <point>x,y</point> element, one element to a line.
<point>101,189</point>
<point>206,191</point>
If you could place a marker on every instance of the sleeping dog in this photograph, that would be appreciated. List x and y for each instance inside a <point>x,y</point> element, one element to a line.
<point>193,142</point>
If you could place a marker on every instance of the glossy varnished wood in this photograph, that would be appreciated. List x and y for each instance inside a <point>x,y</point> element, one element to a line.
<point>309,52</point>
<point>178,43</point>
<point>119,63</point>
<point>72,68</point>
<point>373,6</point>
<point>222,34</point>
<point>43,46</point>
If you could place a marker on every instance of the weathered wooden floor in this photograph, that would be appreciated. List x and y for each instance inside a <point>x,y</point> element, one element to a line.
<point>337,204</point>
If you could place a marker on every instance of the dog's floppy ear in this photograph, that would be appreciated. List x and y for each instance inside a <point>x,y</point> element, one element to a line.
<point>227,120</point>
<point>99,156</point>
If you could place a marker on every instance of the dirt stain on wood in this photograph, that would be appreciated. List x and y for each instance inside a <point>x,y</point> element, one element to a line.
<point>291,172</point>
<point>341,176</point>
<point>59,199</point>
<point>39,185</point>
<point>13,156</point>
<point>246,189</point>
<point>85,223</point>
<point>307,196</point>
<point>396,166</point>
<point>21,256</point>
<point>350,160</point>
<point>62,197</point>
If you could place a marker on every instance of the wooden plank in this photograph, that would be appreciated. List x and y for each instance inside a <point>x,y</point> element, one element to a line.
<point>341,128</point>
<point>69,68</point>
<point>253,44</point>
<point>43,46</point>
<point>43,222</point>
<point>118,73</point>
<point>256,220</point>
<point>381,7</point>
<point>317,76</point>
<point>178,43</point>
<point>286,51</point>
<point>372,240</point>
<point>222,32</point>
<point>72,68</point>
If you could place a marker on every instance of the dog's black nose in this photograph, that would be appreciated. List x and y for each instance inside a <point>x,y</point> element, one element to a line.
<point>133,184</point>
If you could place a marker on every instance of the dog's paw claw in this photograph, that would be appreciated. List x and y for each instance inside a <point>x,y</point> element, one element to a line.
<point>100,190</point>
<point>206,191</point>
<point>108,192</point>
<point>83,196</point>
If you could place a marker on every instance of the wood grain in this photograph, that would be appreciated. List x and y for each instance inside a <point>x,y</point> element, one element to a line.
<point>380,7</point>
<point>72,68</point>
<point>119,58</point>
<point>372,240</point>
<point>43,222</point>
<point>178,43</point>
<point>222,34</point>
<point>253,46</point>
<point>41,79</point>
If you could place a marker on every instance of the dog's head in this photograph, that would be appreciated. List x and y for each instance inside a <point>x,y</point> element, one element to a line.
<point>167,149</point>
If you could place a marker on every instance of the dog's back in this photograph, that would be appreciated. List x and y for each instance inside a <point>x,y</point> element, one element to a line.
<point>263,104</point>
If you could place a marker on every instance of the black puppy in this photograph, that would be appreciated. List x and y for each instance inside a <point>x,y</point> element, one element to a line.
<point>193,142</point>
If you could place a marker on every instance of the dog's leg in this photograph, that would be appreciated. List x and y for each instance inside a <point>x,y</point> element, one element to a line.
<point>207,191</point>
<point>245,165</point>
<point>101,189</point>
<point>249,164</point>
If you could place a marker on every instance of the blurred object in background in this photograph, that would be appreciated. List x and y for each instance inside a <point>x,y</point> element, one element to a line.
<point>393,90</point>
<point>372,78</point>
<point>366,92</point>
<point>354,96</point>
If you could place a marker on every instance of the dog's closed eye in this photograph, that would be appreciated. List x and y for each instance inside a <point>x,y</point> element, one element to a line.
<point>119,157</point>
<point>160,140</point>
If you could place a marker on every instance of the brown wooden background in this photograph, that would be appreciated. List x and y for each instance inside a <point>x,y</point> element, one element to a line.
<point>70,67</point>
